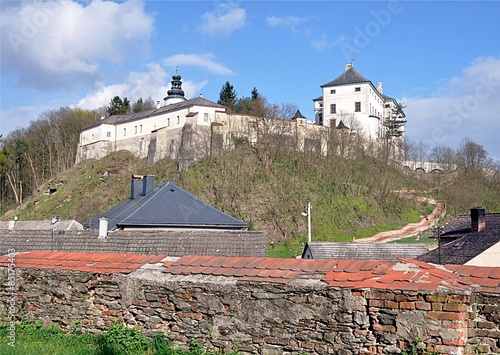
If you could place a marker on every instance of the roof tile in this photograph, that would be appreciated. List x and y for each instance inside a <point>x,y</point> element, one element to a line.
<point>86,262</point>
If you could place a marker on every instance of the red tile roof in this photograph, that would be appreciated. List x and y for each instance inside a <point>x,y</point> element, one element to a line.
<point>405,274</point>
<point>86,262</point>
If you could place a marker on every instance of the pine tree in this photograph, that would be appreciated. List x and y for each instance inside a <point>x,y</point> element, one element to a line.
<point>117,106</point>
<point>227,96</point>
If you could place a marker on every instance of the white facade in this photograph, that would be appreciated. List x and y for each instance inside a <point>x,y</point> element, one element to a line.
<point>354,101</point>
<point>134,132</point>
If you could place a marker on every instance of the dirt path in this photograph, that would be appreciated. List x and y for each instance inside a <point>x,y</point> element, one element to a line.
<point>411,229</point>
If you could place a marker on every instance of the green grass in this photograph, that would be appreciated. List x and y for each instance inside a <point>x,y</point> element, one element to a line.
<point>33,339</point>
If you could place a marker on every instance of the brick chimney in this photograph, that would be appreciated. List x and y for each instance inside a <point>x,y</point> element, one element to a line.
<point>477,219</point>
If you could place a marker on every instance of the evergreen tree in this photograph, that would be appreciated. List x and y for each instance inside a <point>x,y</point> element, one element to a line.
<point>227,96</point>
<point>117,106</point>
<point>255,94</point>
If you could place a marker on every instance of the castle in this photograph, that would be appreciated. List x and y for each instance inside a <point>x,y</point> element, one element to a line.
<point>187,129</point>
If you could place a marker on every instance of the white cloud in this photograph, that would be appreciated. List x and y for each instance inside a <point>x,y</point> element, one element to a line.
<point>205,61</point>
<point>153,83</point>
<point>464,106</point>
<point>324,42</point>
<point>287,21</point>
<point>47,43</point>
<point>224,20</point>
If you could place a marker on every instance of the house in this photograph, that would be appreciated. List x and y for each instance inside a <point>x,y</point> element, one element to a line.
<point>362,251</point>
<point>351,100</point>
<point>165,206</point>
<point>468,240</point>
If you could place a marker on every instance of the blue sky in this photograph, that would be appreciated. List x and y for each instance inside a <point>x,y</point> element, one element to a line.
<point>441,59</point>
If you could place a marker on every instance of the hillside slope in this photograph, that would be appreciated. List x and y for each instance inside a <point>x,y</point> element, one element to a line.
<point>350,198</point>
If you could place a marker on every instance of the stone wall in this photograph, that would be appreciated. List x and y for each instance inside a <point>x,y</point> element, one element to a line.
<point>304,316</point>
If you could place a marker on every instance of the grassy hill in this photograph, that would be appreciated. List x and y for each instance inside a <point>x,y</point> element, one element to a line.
<point>350,198</point>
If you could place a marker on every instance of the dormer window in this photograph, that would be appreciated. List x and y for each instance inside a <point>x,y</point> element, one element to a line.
<point>358,88</point>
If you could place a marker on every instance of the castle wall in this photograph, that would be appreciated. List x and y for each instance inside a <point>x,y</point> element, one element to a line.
<point>304,316</point>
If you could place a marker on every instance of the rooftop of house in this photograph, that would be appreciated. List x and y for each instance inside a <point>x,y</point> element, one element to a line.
<point>406,275</point>
<point>363,251</point>
<point>117,119</point>
<point>466,242</point>
<point>349,76</point>
<point>164,206</point>
<point>173,243</point>
<point>46,224</point>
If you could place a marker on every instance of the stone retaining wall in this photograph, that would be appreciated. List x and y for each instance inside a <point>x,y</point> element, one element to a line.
<point>304,316</point>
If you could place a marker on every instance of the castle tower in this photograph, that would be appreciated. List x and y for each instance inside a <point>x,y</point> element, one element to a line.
<point>175,94</point>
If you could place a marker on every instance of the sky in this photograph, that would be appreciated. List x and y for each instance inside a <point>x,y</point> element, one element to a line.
<point>441,59</point>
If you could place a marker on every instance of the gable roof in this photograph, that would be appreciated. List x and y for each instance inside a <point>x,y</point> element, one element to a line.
<point>166,206</point>
<point>169,242</point>
<point>363,251</point>
<point>466,244</point>
<point>349,76</point>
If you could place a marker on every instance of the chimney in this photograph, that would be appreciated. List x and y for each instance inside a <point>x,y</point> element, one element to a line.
<point>379,87</point>
<point>148,183</point>
<point>136,186</point>
<point>12,223</point>
<point>103,227</point>
<point>477,219</point>
<point>348,65</point>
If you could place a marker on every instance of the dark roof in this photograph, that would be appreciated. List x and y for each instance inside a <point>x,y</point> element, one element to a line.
<point>341,125</point>
<point>364,251</point>
<point>298,114</point>
<point>116,119</point>
<point>349,76</point>
<point>171,242</point>
<point>465,245</point>
<point>166,206</point>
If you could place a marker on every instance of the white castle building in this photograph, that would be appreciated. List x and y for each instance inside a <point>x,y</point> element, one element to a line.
<point>187,129</point>
<point>353,101</point>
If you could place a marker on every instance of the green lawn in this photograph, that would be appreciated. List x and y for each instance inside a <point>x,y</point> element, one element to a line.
<point>32,339</point>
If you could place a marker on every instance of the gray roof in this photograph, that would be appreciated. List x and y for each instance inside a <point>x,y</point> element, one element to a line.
<point>46,224</point>
<point>172,243</point>
<point>363,251</point>
<point>349,76</point>
<point>116,119</point>
<point>166,206</point>
<point>465,245</point>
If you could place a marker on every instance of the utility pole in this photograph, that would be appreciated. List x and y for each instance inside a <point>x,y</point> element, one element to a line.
<point>308,214</point>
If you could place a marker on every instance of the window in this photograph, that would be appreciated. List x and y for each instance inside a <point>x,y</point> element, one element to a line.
<point>178,119</point>
<point>124,132</point>
<point>108,134</point>
<point>333,108</point>
<point>333,91</point>
<point>205,117</point>
<point>357,88</point>
<point>168,122</point>
<point>92,136</point>
<point>140,128</point>
<point>135,130</point>
<point>387,105</point>
<point>357,106</point>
